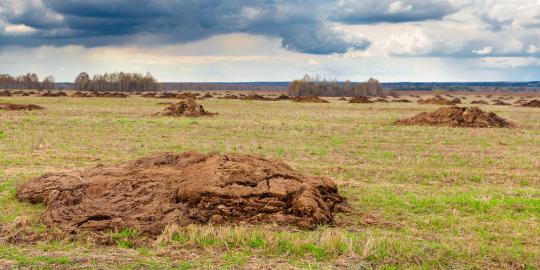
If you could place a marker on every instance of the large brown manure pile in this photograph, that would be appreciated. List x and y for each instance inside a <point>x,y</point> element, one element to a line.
<point>167,188</point>
<point>457,117</point>
<point>19,107</point>
<point>185,108</point>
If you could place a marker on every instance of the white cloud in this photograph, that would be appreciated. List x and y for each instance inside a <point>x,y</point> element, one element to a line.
<point>19,29</point>
<point>484,51</point>
<point>398,7</point>
<point>532,48</point>
<point>510,62</point>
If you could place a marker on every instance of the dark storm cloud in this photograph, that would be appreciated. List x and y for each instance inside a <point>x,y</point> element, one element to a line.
<point>304,26</point>
<point>379,11</point>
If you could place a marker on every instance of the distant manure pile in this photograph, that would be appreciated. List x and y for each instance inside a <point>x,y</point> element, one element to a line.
<point>457,117</point>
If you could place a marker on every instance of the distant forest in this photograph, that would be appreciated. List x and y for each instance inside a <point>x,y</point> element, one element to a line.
<point>116,81</point>
<point>27,81</point>
<point>129,82</point>
<point>315,86</point>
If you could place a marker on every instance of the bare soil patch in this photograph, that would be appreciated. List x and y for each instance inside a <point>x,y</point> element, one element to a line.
<point>167,188</point>
<point>19,107</point>
<point>186,108</point>
<point>457,117</point>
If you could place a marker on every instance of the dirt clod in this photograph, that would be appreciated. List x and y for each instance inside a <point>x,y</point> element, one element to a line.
<point>186,108</point>
<point>457,117</point>
<point>189,188</point>
<point>19,107</point>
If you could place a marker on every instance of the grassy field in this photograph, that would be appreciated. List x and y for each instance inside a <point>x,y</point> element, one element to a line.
<point>423,197</point>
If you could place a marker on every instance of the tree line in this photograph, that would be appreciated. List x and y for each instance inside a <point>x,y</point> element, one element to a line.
<point>315,86</point>
<point>117,81</point>
<point>27,81</point>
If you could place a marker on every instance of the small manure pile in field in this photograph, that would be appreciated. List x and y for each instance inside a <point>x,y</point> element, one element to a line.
<point>438,100</point>
<point>111,94</point>
<point>342,99</point>
<point>189,188</point>
<point>19,107</point>
<point>500,103</point>
<point>54,94</point>
<point>82,94</point>
<point>255,97</point>
<point>149,95</point>
<point>309,99</point>
<point>5,93</point>
<point>167,95</point>
<point>480,102</point>
<point>457,117</point>
<point>185,108</point>
<point>282,97</point>
<point>402,100</point>
<point>187,95</point>
<point>206,96</point>
<point>229,96</point>
<point>360,99</point>
<point>535,103</point>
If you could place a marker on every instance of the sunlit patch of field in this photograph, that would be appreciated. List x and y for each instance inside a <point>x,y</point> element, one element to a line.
<point>423,197</point>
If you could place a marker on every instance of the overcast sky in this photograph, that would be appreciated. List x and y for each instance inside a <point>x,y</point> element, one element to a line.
<point>274,40</point>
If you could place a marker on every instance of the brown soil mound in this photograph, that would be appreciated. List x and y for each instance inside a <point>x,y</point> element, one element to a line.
<point>207,95</point>
<point>54,94</point>
<point>5,93</point>
<point>381,100</point>
<point>282,97</point>
<point>167,95</point>
<point>309,99</point>
<point>500,103</point>
<point>19,107</point>
<point>186,108</point>
<point>438,100</point>
<point>535,103</point>
<point>111,94</point>
<point>82,94</point>
<point>482,102</point>
<point>254,97</point>
<point>229,97</point>
<point>152,192</point>
<point>360,99</point>
<point>401,100</point>
<point>457,117</point>
<point>149,95</point>
<point>187,95</point>
<point>342,99</point>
